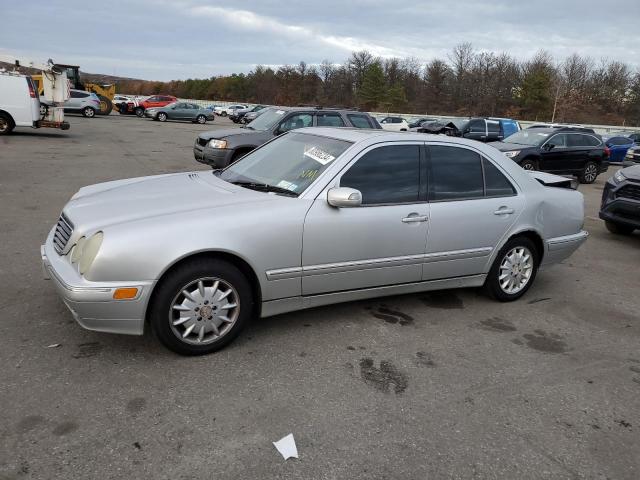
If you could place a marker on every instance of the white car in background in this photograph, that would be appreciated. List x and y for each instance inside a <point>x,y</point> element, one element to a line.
<point>394,124</point>
<point>226,110</point>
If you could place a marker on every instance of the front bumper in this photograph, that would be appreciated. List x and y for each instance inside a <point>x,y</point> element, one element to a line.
<point>560,248</point>
<point>91,303</point>
<point>215,157</point>
<point>618,209</point>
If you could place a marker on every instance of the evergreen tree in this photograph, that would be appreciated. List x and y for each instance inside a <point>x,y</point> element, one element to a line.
<point>373,90</point>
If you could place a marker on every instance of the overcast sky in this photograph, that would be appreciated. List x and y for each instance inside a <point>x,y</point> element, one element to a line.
<point>177,39</point>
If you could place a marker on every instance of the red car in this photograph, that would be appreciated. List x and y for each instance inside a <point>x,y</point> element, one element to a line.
<point>154,101</point>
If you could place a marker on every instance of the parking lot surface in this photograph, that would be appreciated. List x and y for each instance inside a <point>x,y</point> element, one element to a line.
<point>439,385</point>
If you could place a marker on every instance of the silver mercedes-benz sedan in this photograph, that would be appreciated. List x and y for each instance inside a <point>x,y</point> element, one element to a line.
<point>313,217</point>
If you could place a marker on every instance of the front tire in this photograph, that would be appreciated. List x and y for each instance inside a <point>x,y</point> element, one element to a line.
<point>201,119</point>
<point>513,271</point>
<point>618,229</point>
<point>201,306</point>
<point>88,112</point>
<point>162,117</point>
<point>589,173</point>
<point>529,164</point>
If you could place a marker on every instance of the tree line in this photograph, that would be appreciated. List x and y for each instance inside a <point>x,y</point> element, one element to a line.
<point>467,82</point>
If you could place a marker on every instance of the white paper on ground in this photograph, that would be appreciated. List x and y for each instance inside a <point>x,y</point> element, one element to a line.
<point>287,447</point>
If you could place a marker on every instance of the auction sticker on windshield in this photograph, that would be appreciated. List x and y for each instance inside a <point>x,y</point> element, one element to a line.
<point>287,185</point>
<point>319,155</point>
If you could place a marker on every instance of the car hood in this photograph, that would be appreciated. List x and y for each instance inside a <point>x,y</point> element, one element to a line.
<point>509,147</point>
<point>632,172</point>
<point>234,132</point>
<point>120,201</point>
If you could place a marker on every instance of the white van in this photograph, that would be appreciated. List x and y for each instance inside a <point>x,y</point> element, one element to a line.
<point>19,102</point>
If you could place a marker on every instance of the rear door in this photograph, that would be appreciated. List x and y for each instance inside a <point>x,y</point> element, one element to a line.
<point>473,205</point>
<point>493,131</point>
<point>580,147</point>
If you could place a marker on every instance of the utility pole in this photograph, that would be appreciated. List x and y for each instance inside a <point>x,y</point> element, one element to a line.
<point>555,104</point>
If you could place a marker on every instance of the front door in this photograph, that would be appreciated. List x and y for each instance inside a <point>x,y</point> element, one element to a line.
<point>382,242</point>
<point>473,205</point>
<point>555,155</point>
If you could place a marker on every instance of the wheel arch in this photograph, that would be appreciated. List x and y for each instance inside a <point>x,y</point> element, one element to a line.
<point>532,235</point>
<point>4,112</point>
<point>230,257</point>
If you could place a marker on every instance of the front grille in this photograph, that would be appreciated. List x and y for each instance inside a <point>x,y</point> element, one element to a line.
<point>64,228</point>
<point>202,142</point>
<point>629,191</point>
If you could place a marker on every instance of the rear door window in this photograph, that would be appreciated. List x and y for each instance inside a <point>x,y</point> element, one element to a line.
<point>454,174</point>
<point>359,121</point>
<point>494,127</point>
<point>329,120</point>
<point>496,184</point>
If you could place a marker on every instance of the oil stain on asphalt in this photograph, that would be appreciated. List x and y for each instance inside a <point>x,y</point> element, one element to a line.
<point>444,299</point>
<point>425,359</point>
<point>497,324</point>
<point>544,342</point>
<point>384,377</point>
<point>86,350</point>
<point>65,428</point>
<point>392,316</point>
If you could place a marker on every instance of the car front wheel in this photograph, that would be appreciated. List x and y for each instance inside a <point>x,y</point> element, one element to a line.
<point>162,117</point>
<point>201,306</point>
<point>589,173</point>
<point>139,111</point>
<point>529,164</point>
<point>513,270</point>
<point>88,112</point>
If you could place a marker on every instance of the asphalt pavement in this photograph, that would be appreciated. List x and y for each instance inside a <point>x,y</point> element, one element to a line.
<point>441,385</point>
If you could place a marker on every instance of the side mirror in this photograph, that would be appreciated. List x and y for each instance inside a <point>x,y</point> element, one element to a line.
<point>344,197</point>
<point>548,146</point>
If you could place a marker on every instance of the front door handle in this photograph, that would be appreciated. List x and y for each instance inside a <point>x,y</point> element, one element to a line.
<point>414,218</point>
<point>504,211</point>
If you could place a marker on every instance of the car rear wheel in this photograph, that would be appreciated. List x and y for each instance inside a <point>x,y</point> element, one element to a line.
<point>201,119</point>
<point>223,114</point>
<point>513,270</point>
<point>529,164</point>
<point>619,229</point>
<point>201,306</point>
<point>162,117</point>
<point>139,111</point>
<point>88,112</point>
<point>589,173</point>
<point>6,124</point>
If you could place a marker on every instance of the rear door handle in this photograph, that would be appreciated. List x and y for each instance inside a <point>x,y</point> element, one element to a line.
<point>504,211</point>
<point>415,218</point>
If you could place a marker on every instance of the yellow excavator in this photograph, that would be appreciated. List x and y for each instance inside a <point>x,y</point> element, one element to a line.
<point>104,92</point>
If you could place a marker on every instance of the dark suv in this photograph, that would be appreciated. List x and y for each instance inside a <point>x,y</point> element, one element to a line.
<point>620,207</point>
<point>220,148</point>
<point>566,151</point>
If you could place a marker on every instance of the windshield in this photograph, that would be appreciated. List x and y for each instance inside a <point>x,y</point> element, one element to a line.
<point>290,162</point>
<point>267,119</point>
<point>527,137</point>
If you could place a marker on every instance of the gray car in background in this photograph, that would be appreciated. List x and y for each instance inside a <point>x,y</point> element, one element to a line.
<point>314,217</point>
<point>180,111</point>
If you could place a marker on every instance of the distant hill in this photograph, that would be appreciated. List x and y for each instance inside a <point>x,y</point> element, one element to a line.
<point>85,76</point>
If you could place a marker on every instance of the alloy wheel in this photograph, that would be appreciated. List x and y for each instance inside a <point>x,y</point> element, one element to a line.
<point>204,311</point>
<point>515,270</point>
<point>590,173</point>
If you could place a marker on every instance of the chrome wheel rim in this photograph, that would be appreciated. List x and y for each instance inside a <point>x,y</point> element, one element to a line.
<point>204,311</point>
<point>162,117</point>
<point>89,112</point>
<point>590,173</point>
<point>528,166</point>
<point>516,269</point>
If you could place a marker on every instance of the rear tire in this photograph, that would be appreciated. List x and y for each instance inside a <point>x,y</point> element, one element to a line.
<point>6,124</point>
<point>223,114</point>
<point>589,173</point>
<point>88,112</point>
<point>512,263</point>
<point>201,119</point>
<point>169,305</point>
<point>618,229</point>
<point>139,111</point>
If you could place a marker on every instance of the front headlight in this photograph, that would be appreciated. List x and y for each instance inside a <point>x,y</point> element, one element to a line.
<point>512,153</point>
<point>89,252</point>
<point>214,143</point>
<point>619,176</point>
